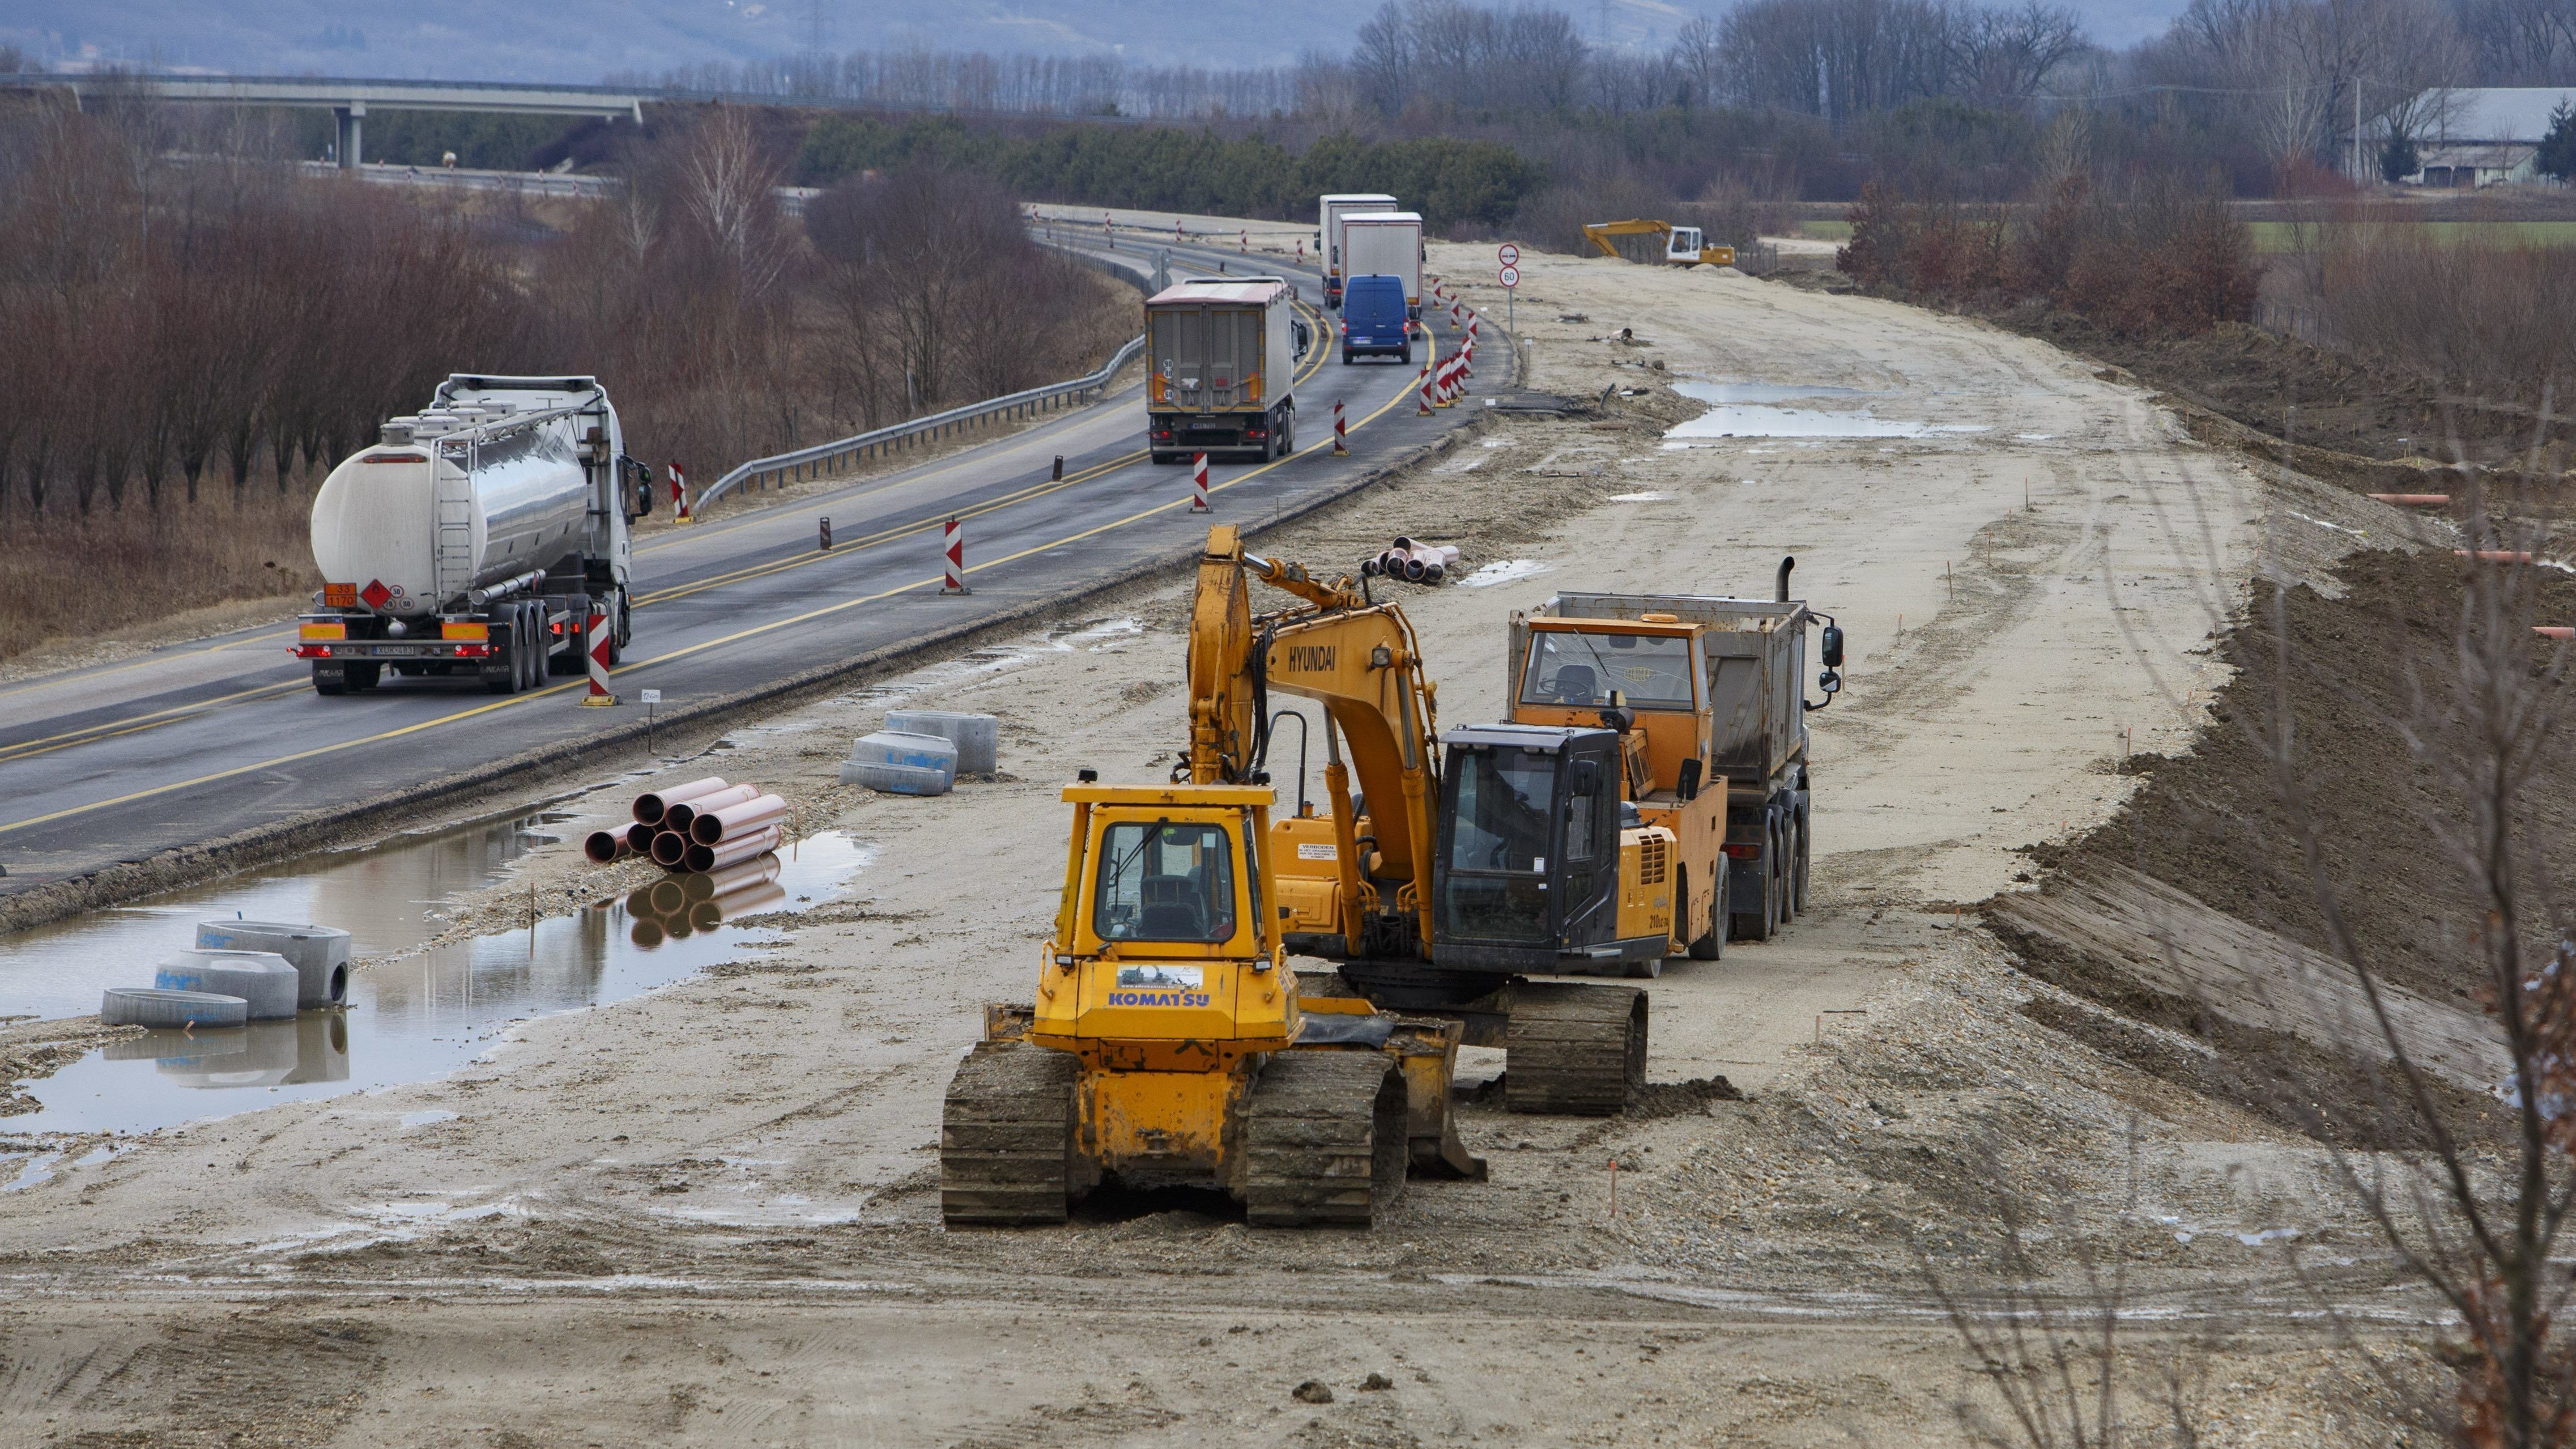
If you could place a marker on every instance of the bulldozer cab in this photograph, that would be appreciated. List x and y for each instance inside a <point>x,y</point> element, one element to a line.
<point>1528,863</point>
<point>1164,939</point>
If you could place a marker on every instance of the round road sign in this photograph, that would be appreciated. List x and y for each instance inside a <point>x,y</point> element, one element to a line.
<point>1508,254</point>
<point>1510,277</point>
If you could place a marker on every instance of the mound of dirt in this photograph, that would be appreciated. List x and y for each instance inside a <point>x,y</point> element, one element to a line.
<point>2381,759</point>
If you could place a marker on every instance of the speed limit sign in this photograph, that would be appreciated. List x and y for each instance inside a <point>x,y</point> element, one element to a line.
<point>1510,276</point>
<point>1509,255</point>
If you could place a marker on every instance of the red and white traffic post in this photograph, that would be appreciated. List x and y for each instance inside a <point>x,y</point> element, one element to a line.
<point>680,492</point>
<point>1424,410</point>
<point>1341,432</point>
<point>952,545</point>
<point>599,634</point>
<point>1198,483</point>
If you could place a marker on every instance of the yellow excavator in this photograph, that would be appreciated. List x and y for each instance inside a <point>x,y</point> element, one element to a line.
<point>1171,1042</point>
<point>1683,245</point>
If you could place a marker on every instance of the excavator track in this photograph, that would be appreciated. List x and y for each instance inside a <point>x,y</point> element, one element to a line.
<point>1006,1137</point>
<point>1324,1139</point>
<point>1576,1051</point>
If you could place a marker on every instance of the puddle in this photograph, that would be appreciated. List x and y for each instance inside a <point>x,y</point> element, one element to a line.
<point>1749,411</point>
<point>389,899</point>
<point>417,1017</point>
<point>1636,497</point>
<point>1503,571</point>
<point>1763,392</point>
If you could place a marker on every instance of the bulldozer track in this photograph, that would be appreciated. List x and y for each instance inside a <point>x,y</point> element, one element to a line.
<point>1324,1139</point>
<point>1006,1136</point>
<point>1574,1050</point>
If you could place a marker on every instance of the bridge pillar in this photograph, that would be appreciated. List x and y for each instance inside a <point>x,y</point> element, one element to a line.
<point>352,122</point>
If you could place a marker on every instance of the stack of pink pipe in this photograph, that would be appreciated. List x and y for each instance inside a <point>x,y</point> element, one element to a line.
<point>701,826</point>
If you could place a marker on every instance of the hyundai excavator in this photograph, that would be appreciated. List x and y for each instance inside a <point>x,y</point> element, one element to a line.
<point>1171,1043</point>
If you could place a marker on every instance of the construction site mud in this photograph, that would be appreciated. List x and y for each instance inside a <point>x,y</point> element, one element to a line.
<point>709,1213</point>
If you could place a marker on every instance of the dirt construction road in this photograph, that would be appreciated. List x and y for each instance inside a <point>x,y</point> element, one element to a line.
<point>709,1215</point>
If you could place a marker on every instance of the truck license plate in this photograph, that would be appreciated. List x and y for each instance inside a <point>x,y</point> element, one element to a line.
<point>400,651</point>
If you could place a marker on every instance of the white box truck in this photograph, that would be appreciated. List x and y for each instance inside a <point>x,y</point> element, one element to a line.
<point>476,539</point>
<point>1386,243</point>
<point>1330,211</point>
<point>1224,354</point>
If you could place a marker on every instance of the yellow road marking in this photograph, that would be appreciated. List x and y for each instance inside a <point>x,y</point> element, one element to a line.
<point>526,697</point>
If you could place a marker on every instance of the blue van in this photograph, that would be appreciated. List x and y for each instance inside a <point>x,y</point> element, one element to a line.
<point>1374,319</point>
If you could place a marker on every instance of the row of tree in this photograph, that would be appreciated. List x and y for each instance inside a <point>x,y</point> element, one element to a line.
<point>1449,180</point>
<point>228,317</point>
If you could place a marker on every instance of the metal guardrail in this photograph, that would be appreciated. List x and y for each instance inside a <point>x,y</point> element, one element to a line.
<point>884,440</point>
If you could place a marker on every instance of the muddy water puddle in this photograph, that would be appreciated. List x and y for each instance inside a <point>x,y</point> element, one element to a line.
<point>423,1013</point>
<point>1755,410</point>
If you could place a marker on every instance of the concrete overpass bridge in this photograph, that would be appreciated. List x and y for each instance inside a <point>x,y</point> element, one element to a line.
<point>349,99</point>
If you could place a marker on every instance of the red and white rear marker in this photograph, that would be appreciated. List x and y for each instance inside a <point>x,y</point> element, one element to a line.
<point>1198,483</point>
<point>952,544</point>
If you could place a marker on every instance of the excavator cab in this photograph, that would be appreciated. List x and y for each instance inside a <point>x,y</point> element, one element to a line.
<point>1540,867</point>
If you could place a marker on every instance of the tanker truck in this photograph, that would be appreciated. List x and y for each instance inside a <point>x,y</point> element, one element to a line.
<point>476,539</point>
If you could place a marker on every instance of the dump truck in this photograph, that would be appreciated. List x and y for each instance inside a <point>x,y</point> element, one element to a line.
<point>1224,355</point>
<point>1329,211</point>
<point>476,539</point>
<point>1387,243</point>
<point>1718,749</point>
<point>1680,246</point>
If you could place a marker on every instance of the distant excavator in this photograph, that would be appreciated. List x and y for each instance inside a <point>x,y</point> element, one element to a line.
<point>1683,245</point>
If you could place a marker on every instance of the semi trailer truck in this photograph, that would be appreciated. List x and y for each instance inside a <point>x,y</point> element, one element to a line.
<point>476,539</point>
<point>1224,354</point>
<point>1330,210</point>
<point>1386,243</point>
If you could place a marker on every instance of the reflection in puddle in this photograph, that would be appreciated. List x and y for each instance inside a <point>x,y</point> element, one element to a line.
<point>423,1015</point>
<point>387,898</point>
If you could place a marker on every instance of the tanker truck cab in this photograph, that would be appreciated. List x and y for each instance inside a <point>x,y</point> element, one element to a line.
<point>478,538</point>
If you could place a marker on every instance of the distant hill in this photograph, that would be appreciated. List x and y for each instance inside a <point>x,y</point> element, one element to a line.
<point>583,40</point>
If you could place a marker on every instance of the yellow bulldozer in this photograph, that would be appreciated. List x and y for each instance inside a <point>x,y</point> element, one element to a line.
<point>1682,245</point>
<point>1171,1042</point>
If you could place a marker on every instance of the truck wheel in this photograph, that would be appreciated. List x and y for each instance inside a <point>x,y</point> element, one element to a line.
<point>1758,925</point>
<point>532,622</point>
<point>505,639</point>
<point>1793,840</point>
<point>328,679</point>
<point>1346,357</point>
<point>622,631</point>
<point>363,677</point>
<point>1806,824</point>
<point>1288,435</point>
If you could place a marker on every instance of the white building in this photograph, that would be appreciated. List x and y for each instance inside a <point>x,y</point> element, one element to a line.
<point>2489,136</point>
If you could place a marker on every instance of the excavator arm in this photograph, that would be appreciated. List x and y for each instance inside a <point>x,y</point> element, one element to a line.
<point>1599,233</point>
<point>1361,662</point>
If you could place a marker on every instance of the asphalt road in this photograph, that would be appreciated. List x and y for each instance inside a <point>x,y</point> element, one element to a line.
<point>196,742</point>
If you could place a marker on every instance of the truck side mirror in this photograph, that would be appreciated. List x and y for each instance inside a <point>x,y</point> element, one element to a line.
<point>1832,650</point>
<point>1305,338</point>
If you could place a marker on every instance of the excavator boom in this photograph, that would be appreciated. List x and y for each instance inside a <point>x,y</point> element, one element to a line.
<point>1360,661</point>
